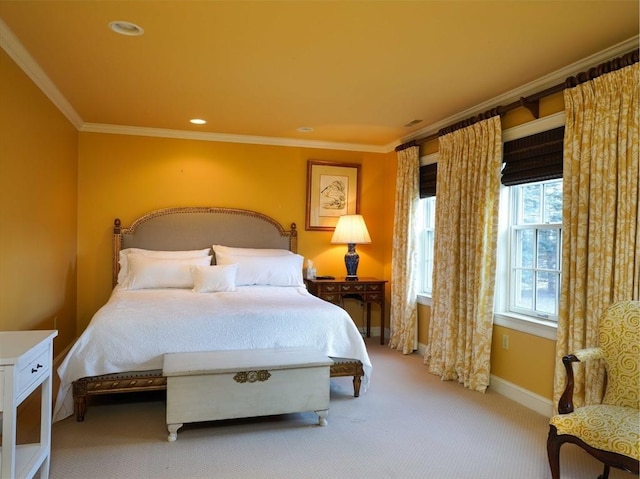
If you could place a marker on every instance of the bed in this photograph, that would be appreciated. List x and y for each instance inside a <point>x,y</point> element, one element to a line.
<point>201,279</point>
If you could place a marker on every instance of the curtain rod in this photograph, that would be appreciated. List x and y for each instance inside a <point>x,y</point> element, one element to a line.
<point>532,102</point>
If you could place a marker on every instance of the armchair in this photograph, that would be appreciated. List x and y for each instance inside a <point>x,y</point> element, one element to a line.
<point>610,431</point>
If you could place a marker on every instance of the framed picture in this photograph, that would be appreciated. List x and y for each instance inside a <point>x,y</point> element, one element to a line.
<point>332,191</point>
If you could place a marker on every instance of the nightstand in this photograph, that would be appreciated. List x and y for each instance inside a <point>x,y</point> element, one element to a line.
<point>25,363</point>
<point>367,290</point>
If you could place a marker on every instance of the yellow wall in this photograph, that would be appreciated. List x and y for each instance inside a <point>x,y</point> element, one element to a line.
<point>38,200</point>
<point>124,177</point>
<point>529,361</point>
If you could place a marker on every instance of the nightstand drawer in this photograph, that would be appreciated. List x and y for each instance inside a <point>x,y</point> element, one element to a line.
<point>353,288</point>
<point>375,287</point>
<point>34,370</point>
<point>328,288</point>
<point>373,297</point>
<point>331,297</point>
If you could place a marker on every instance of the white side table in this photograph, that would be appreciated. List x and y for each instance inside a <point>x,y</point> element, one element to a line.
<point>26,359</point>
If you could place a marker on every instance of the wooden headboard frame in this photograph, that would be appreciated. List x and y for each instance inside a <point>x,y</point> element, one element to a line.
<point>174,229</point>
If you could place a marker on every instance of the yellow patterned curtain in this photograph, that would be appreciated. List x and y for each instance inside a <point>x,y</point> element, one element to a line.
<point>404,313</point>
<point>601,236</point>
<point>468,188</point>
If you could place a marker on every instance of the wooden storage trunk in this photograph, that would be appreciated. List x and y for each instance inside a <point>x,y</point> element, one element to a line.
<point>214,385</point>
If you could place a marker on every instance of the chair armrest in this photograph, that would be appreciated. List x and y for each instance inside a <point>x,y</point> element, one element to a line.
<point>565,404</point>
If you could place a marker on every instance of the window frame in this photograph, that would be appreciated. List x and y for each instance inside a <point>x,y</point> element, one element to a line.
<point>426,234</point>
<point>424,296</point>
<point>502,316</point>
<point>514,227</point>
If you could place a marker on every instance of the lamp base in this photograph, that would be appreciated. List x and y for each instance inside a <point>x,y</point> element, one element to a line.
<point>351,260</point>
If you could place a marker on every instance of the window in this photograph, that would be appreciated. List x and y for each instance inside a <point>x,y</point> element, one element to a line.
<point>528,265</point>
<point>426,231</point>
<point>535,234</point>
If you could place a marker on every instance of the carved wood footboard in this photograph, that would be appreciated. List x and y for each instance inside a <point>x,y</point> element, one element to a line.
<point>114,384</point>
<point>154,381</point>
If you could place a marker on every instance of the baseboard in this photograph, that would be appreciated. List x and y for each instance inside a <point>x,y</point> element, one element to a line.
<point>533,401</point>
<point>529,399</point>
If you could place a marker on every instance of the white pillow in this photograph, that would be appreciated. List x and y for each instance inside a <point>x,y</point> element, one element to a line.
<point>146,272</point>
<point>285,270</point>
<point>124,267</point>
<point>212,279</point>
<point>250,251</point>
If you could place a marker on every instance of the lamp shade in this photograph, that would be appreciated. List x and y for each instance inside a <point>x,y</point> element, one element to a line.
<point>351,229</point>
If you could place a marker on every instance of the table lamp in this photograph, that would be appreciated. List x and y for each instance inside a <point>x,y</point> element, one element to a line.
<point>351,230</point>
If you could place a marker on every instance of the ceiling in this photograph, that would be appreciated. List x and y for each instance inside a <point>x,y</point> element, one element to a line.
<point>354,71</point>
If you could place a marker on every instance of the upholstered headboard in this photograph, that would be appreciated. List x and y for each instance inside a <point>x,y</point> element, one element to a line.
<point>174,229</point>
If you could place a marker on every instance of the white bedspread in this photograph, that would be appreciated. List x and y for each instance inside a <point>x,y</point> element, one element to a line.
<point>134,329</point>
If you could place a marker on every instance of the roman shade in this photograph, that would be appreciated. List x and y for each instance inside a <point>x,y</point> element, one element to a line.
<point>533,158</point>
<point>428,175</point>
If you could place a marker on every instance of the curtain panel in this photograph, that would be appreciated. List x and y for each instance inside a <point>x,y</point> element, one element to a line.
<point>601,236</point>
<point>468,185</point>
<point>404,260</point>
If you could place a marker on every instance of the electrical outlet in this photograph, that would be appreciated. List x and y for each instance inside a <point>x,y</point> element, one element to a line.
<point>505,341</point>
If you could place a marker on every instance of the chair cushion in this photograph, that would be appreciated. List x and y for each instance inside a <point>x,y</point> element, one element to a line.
<point>609,428</point>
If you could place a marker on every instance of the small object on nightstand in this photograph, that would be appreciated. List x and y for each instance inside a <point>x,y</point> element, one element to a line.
<point>311,271</point>
<point>325,277</point>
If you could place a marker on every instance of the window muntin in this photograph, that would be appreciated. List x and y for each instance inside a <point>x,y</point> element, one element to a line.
<point>536,242</point>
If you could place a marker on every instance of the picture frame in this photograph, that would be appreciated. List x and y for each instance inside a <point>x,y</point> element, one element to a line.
<point>333,190</point>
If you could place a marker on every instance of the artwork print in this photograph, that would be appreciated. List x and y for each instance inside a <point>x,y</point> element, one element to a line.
<point>332,191</point>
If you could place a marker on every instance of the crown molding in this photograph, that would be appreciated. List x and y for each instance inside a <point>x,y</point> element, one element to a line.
<point>228,138</point>
<point>19,54</point>
<point>528,89</point>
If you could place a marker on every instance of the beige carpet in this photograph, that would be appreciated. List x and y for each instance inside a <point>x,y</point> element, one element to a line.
<point>408,425</point>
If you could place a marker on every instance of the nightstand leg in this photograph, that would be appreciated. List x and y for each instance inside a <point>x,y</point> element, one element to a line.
<point>368,320</point>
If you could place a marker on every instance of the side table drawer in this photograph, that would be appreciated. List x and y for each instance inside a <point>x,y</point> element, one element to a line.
<point>354,288</point>
<point>327,288</point>
<point>34,371</point>
<point>331,297</point>
<point>373,297</point>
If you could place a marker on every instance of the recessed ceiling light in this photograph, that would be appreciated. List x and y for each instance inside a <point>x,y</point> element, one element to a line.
<point>305,129</point>
<point>126,28</point>
<point>198,121</point>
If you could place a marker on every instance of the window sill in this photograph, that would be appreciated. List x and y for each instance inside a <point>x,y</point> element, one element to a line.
<point>424,299</point>
<point>526,324</point>
<point>517,322</point>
